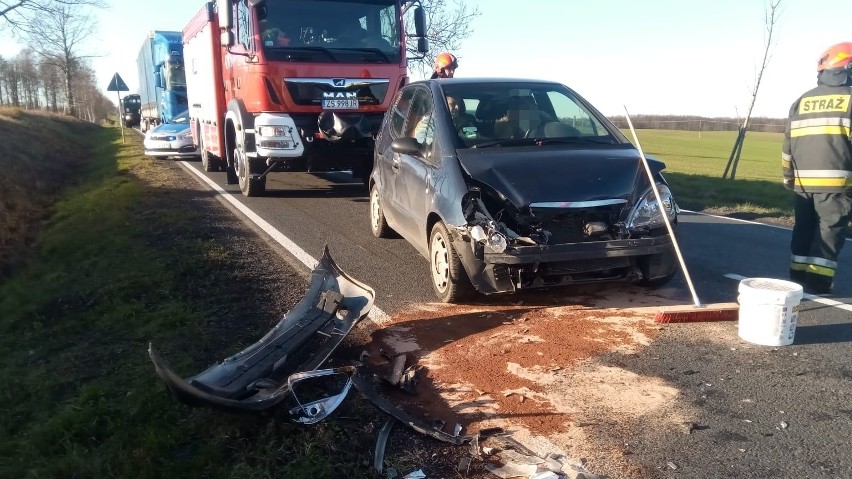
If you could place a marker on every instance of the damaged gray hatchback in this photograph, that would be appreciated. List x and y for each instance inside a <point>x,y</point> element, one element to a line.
<point>506,185</point>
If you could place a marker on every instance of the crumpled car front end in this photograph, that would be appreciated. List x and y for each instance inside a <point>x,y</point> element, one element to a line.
<point>600,232</point>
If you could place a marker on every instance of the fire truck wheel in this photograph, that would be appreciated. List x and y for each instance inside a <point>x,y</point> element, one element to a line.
<point>249,186</point>
<point>206,160</point>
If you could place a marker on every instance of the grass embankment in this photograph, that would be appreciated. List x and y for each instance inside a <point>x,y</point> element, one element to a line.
<point>695,163</point>
<point>118,264</point>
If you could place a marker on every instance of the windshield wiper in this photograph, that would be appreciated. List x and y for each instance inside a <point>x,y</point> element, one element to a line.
<point>291,50</point>
<point>573,140</point>
<point>505,141</point>
<point>376,51</point>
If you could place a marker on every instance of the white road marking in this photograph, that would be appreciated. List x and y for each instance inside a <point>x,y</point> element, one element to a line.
<point>376,314</point>
<point>744,221</point>
<point>809,297</point>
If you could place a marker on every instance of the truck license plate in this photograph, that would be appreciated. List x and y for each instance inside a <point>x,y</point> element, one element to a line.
<point>348,104</point>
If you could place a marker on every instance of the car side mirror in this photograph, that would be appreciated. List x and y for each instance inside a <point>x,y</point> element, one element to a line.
<point>406,146</point>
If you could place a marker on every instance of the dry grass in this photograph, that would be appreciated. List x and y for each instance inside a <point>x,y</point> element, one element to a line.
<point>40,154</point>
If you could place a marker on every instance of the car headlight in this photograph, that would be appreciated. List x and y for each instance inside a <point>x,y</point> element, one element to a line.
<point>185,136</point>
<point>647,212</point>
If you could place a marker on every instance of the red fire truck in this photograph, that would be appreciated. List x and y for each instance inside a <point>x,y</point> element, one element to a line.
<point>294,85</point>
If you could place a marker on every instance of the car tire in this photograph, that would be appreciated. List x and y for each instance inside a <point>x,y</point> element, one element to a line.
<point>449,279</point>
<point>378,224</point>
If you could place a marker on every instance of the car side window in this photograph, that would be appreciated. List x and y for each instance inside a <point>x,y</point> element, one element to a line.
<point>420,124</point>
<point>399,112</point>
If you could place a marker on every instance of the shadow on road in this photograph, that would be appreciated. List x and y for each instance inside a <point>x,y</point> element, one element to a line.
<point>824,334</point>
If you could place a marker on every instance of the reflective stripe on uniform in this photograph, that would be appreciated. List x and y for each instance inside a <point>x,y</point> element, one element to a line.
<point>813,269</point>
<point>820,126</point>
<point>814,260</point>
<point>824,182</point>
<point>820,270</point>
<point>825,121</point>
<point>820,130</point>
<point>826,178</point>
<point>814,265</point>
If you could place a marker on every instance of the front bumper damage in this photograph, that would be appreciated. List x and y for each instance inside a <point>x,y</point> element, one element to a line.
<point>498,260</point>
<point>264,374</point>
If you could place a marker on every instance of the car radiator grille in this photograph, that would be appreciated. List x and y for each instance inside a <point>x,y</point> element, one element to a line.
<point>584,266</point>
<point>567,225</point>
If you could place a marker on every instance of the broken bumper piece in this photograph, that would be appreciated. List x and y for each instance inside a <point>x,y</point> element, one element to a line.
<point>264,374</point>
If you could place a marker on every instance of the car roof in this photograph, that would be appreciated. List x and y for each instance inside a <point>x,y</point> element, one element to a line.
<point>481,80</point>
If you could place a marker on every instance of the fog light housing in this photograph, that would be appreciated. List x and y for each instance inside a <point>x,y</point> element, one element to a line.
<point>497,242</point>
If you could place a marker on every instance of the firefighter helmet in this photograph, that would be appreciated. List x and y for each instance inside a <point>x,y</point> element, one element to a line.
<point>446,60</point>
<point>836,58</point>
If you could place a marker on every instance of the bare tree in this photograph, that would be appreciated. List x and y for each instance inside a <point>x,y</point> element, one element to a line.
<point>447,24</point>
<point>2,75</point>
<point>12,81</point>
<point>18,14</point>
<point>771,14</point>
<point>30,80</point>
<point>51,81</point>
<point>54,36</point>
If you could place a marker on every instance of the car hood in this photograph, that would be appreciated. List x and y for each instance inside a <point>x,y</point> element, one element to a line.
<point>527,175</point>
<point>170,129</point>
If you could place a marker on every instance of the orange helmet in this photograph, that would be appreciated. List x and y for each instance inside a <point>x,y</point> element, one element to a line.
<point>446,60</point>
<point>836,58</point>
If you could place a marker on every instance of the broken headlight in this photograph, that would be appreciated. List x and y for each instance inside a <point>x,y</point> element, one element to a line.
<point>647,214</point>
<point>492,239</point>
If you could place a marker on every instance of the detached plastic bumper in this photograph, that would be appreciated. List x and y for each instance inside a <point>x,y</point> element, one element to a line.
<point>256,378</point>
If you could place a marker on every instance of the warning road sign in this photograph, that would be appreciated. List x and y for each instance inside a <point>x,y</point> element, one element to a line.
<point>117,84</point>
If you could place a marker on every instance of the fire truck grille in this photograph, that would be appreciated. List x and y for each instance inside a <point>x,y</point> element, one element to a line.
<point>312,91</point>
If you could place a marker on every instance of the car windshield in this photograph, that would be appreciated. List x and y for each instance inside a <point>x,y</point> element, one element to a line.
<point>524,113</point>
<point>352,31</point>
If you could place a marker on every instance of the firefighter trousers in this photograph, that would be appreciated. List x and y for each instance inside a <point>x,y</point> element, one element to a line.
<point>818,236</point>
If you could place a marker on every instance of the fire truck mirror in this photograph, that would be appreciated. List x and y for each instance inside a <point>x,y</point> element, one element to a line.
<point>226,15</point>
<point>419,22</point>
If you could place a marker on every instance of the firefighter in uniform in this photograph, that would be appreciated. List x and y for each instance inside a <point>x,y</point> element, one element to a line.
<point>445,66</point>
<point>817,165</point>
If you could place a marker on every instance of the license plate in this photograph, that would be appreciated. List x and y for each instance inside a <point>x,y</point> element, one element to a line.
<point>348,104</point>
<point>159,145</point>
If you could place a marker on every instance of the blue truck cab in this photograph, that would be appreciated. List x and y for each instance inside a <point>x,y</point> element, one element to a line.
<point>162,78</point>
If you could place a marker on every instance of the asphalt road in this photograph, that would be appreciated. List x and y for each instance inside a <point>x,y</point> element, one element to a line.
<point>755,411</point>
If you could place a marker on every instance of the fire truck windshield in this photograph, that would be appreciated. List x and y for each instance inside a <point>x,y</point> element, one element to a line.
<point>175,76</point>
<point>346,31</point>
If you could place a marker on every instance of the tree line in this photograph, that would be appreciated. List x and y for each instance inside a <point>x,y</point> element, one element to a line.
<point>51,73</point>
<point>699,123</point>
<point>31,82</point>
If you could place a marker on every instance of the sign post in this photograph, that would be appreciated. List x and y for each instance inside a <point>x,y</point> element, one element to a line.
<point>117,85</point>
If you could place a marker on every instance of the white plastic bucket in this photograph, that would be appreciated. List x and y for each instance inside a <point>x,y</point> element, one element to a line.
<point>769,310</point>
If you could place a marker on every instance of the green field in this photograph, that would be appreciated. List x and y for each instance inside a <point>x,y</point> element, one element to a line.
<point>695,163</point>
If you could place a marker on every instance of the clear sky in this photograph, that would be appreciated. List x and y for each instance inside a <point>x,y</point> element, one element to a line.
<point>683,57</point>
